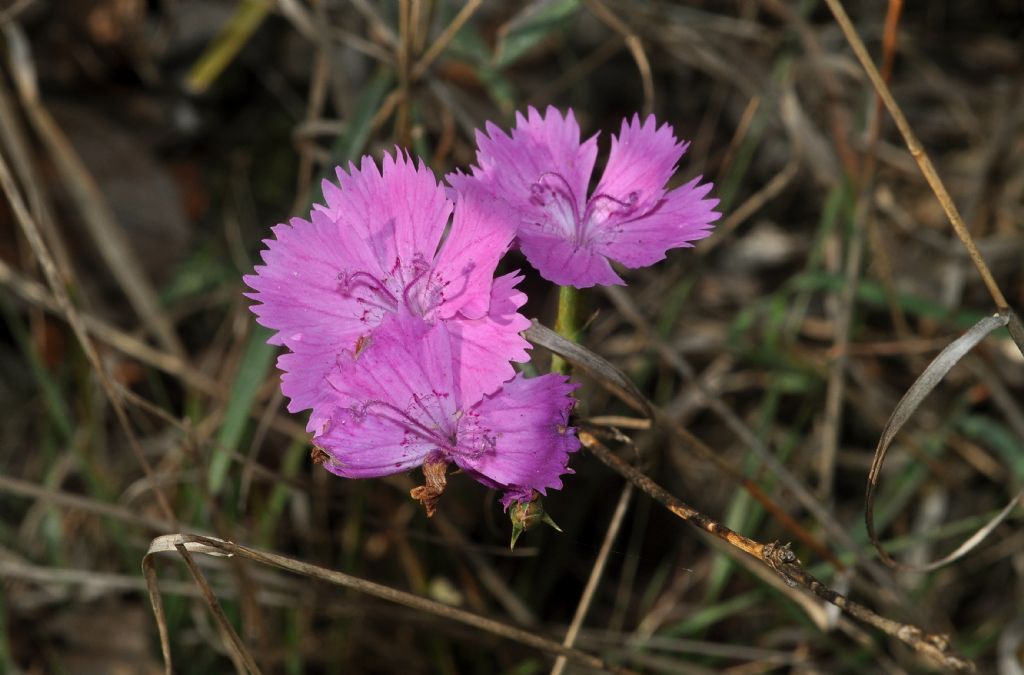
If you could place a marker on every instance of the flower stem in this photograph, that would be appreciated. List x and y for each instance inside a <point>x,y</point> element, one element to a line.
<point>565,323</point>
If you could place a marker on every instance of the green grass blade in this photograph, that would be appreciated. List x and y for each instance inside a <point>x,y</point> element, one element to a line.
<point>256,363</point>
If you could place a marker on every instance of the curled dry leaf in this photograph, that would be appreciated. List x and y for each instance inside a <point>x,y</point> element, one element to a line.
<point>932,375</point>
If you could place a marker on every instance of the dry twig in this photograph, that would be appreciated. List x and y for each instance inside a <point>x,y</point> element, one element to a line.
<point>783,561</point>
<point>186,543</point>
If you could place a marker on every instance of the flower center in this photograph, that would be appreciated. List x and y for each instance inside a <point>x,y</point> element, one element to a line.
<point>555,195</point>
<point>603,207</point>
<point>552,192</point>
<point>475,439</point>
<point>410,285</point>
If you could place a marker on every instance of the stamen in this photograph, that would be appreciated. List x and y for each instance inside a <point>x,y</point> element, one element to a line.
<point>627,206</point>
<point>347,282</point>
<point>566,191</point>
<point>374,305</point>
<point>418,400</point>
<point>474,439</point>
<point>421,267</point>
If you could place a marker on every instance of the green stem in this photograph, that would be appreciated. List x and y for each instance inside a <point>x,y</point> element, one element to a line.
<point>565,323</point>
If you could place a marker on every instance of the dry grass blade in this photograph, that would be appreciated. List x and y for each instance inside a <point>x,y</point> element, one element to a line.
<point>607,375</point>
<point>920,156</point>
<point>595,575</point>
<point>11,13</point>
<point>832,419</point>
<point>153,589</point>
<point>747,435</point>
<point>36,294</point>
<point>15,486</point>
<point>17,145</point>
<point>240,656</point>
<point>924,384</point>
<point>783,561</point>
<point>214,546</point>
<point>754,203</point>
<point>832,422</point>
<point>635,46</point>
<point>32,234</point>
<point>778,557</point>
<point>85,578</point>
<point>444,38</point>
<point>96,212</point>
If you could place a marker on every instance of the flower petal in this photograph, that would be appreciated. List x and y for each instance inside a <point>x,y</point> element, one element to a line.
<point>397,213</point>
<point>509,166</point>
<point>303,382</point>
<point>683,216</point>
<point>391,403</point>
<point>483,347</point>
<point>464,268</point>
<point>532,440</point>
<point>565,263</point>
<point>404,359</point>
<point>365,446</point>
<point>642,159</point>
<point>296,290</point>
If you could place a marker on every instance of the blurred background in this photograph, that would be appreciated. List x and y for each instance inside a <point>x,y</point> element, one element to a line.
<point>155,143</point>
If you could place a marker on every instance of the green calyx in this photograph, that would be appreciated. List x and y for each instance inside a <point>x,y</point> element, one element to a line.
<point>526,516</point>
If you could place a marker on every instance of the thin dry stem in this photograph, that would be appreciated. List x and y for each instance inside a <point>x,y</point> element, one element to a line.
<point>754,203</point>
<point>32,234</point>
<point>743,127</point>
<point>95,211</point>
<point>595,575</point>
<point>35,293</point>
<point>240,656</point>
<point>635,46</point>
<point>213,546</point>
<point>783,561</point>
<point>671,356</point>
<point>918,153</point>
<point>446,36</point>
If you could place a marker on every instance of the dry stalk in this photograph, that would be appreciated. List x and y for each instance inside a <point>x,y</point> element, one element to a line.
<point>635,46</point>
<point>596,572</point>
<point>780,558</point>
<point>185,544</point>
<point>918,153</point>
<point>32,233</point>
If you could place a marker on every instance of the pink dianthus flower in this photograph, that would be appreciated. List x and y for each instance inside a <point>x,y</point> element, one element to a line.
<point>542,172</point>
<point>382,245</point>
<point>398,403</point>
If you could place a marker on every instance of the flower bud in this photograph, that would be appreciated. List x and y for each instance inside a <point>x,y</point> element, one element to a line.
<point>527,515</point>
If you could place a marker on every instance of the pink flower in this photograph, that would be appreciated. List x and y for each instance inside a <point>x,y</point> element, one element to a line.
<point>542,172</point>
<point>399,403</point>
<point>383,245</point>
